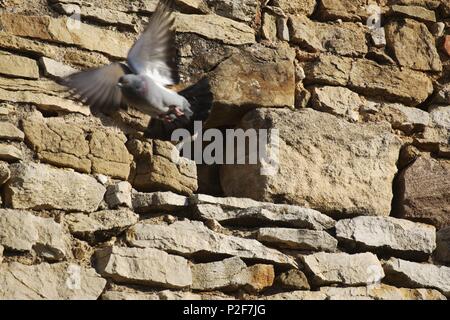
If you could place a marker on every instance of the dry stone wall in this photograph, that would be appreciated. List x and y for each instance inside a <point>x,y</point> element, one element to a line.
<point>360,206</point>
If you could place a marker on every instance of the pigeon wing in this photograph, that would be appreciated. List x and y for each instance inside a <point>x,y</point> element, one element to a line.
<point>154,52</point>
<point>98,87</point>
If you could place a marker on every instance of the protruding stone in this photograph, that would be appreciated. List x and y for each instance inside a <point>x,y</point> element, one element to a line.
<point>293,280</point>
<point>158,201</point>
<point>18,66</point>
<point>119,194</point>
<point>9,153</point>
<point>8,131</point>
<point>55,68</point>
<point>442,252</point>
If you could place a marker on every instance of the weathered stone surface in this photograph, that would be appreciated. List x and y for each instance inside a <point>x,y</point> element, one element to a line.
<point>9,153</point>
<point>158,167</point>
<point>297,239</point>
<point>243,10</point>
<point>317,168</point>
<point>344,269</point>
<point>293,280</point>
<point>413,45</point>
<point>228,202</point>
<point>38,186</point>
<point>18,66</point>
<point>56,69</point>
<point>58,30</point>
<point>44,94</point>
<point>1,253</point>
<point>49,282</point>
<point>158,201</point>
<point>231,274</point>
<point>269,214</point>
<point>22,231</point>
<point>381,292</point>
<point>143,266</point>
<point>388,235</point>
<point>442,252</point>
<point>269,27</point>
<point>346,39</point>
<point>339,101</point>
<point>296,7</point>
<point>440,116</point>
<point>119,293</point>
<point>5,173</point>
<point>215,27</point>
<point>119,194</point>
<point>417,275</point>
<point>243,82</point>
<point>369,78</point>
<point>100,225</point>
<point>414,12</point>
<point>297,295</point>
<point>347,10</point>
<point>8,131</point>
<point>190,237</point>
<point>424,192</point>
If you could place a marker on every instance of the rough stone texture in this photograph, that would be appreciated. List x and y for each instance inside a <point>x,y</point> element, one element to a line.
<point>64,190</point>
<point>225,202</point>
<point>296,7</point>
<point>100,225</point>
<point>416,275</point>
<point>413,45</point>
<point>343,268</point>
<point>158,167</point>
<point>347,39</point>
<point>440,116</point>
<point>371,79</point>
<point>190,237</point>
<point>49,282</point>
<point>9,153</point>
<point>297,239</point>
<point>17,66</point>
<point>119,194</point>
<point>231,274</point>
<point>22,231</point>
<point>5,173</point>
<point>9,131</point>
<point>381,292</point>
<point>144,266</point>
<point>158,201</point>
<point>242,10</point>
<point>388,235</point>
<point>293,280</point>
<point>311,175</point>
<point>282,215</point>
<point>442,252</point>
<point>415,12</point>
<point>424,192</point>
<point>347,10</point>
<point>297,295</point>
<point>216,28</point>
<point>53,68</point>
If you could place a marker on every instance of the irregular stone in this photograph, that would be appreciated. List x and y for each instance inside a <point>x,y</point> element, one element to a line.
<point>8,131</point>
<point>9,153</point>
<point>269,27</point>
<point>22,231</point>
<point>215,27</point>
<point>242,10</point>
<point>297,295</point>
<point>346,39</point>
<point>5,173</point>
<point>158,201</point>
<point>370,79</point>
<point>188,238</point>
<point>380,292</point>
<point>128,294</point>
<point>344,269</point>
<point>293,280</point>
<point>193,6</point>
<point>296,7</point>
<point>446,45</point>
<point>231,274</point>
<point>440,116</point>
<point>41,187</point>
<point>347,10</point>
<point>18,66</point>
<point>1,254</point>
<point>414,12</point>
<point>442,252</point>
<point>243,82</point>
<point>297,239</point>
<point>228,202</point>
<point>101,225</point>
<point>423,192</point>
<point>159,167</point>
<point>388,235</point>
<point>413,45</point>
<point>316,166</point>
<point>269,214</point>
<point>56,69</point>
<point>63,30</point>
<point>119,194</point>
<point>59,281</point>
<point>417,275</point>
<point>143,266</point>
<point>46,95</point>
<point>434,139</point>
<point>338,101</point>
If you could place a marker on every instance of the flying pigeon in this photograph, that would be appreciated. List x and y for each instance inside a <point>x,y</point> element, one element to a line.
<point>142,82</point>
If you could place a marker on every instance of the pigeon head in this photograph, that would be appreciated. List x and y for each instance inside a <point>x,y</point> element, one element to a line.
<point>132,84</point>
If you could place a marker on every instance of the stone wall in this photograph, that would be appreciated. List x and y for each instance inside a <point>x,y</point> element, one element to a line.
<point>360,207</point>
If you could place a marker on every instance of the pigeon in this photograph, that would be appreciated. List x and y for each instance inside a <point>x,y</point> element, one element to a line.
<point>143,81</point>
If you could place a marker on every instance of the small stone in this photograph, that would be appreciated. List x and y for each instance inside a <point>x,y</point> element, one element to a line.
<point>8,131</point>
<point>55,68</point>
<point>442,252</point>
<point>446,45</point>
<point>438,29</point>
<point>293,280</point>
<point>118,195</point>
<point>297,239</point>
<point>5,173</point>
<point>102,178</point>
<point>147,266</point>
<point>17,66</point>
<point>158,201</point>
<point>440,116</point>
<point>415,12</point>
<point>269,27</point>
<point>9,153</point>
